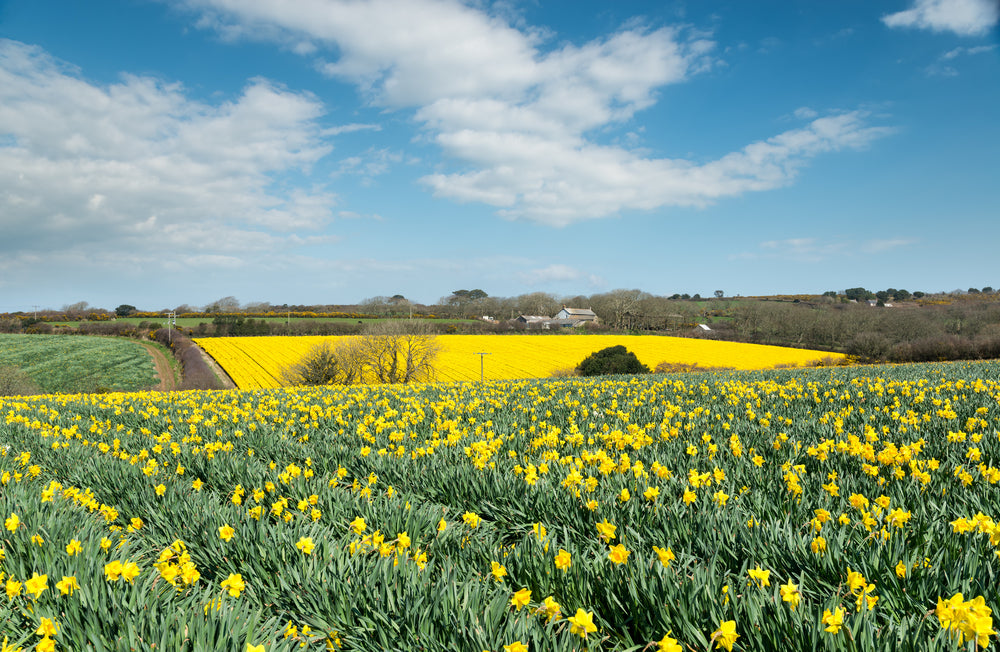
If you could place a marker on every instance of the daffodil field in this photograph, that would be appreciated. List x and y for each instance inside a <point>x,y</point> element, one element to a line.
<point>258,362</point>
<point>811,509</point>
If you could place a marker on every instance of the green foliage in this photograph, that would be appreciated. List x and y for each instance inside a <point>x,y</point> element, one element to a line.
<point>858,294</point>
<point>73,363</point>
<point>612,360</point>
<point>15,382</point>
<point>239,326</point>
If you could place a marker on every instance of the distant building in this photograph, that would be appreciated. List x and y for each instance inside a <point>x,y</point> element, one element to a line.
<point>565,318</point>
<point>563,323</point>
<point>576,314</point>
<point>532,321</point>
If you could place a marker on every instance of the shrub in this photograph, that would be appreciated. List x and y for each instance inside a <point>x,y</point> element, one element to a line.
<point>612,360</point>
<point>197,373</point>
<point>12,325</point>
<point>39,328</point>
<point>686,368</point>
<point>326,365</point>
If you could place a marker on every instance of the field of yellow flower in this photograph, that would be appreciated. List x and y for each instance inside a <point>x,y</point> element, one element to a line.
<point>257,362</point>
<point>837,509</point>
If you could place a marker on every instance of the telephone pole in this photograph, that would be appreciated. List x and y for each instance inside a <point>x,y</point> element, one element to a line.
<point>482,357</point>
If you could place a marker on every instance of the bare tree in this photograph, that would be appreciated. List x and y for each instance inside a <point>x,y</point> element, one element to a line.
<point>79,306</point>
<point>398,351</point>
<point>76,310</point>
<point>379,306</point>
<point>225,304</point>
<point>326,364</point>
<point>392,351</point>
<point>618,307</point>
<point>537,303</point>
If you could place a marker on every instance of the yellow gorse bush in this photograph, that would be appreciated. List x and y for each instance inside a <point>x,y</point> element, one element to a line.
<point>792,509</point>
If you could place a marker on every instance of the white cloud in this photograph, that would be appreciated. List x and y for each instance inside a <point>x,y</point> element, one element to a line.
<point>558,182</point>
<point>962,17</point>
<point>559,273</point>
<point>942,69</point>
<point>351,215</point>
<point>549,274</point>
<point>802,250</point>
<point>960,51</point>
<point>138,164</point>
<point>518,115</point>
<point>878,246</point>
<point>349,128</point>
<point>814,250</point>
<point>374,162</point>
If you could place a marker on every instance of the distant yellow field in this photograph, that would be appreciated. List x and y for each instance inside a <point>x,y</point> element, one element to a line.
<point>257,362</point>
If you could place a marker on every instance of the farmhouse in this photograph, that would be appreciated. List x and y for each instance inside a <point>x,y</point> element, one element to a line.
<point>577,315</point>
<point>565,318</point>
<point>532,321</point>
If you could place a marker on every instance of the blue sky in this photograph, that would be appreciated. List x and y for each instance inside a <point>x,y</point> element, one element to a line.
<point>325,151</point>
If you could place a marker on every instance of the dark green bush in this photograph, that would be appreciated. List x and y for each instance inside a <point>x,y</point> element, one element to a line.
<point>612,360</point>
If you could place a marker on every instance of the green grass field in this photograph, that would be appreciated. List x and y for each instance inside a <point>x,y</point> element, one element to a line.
<point>71,363</point>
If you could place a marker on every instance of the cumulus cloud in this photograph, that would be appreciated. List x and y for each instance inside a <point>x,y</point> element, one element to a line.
<point>138,165</point>
<point>522,117</point>
<point>558,182</point>
<point>962,17</point>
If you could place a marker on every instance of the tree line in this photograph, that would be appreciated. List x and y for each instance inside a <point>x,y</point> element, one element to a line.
<point>885,325</point>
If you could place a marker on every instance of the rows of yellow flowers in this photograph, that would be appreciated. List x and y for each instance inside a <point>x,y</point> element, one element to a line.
<point>839,508</point>
<point>257,362</point>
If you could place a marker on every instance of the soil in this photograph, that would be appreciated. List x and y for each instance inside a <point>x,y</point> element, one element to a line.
<point>163,369</point>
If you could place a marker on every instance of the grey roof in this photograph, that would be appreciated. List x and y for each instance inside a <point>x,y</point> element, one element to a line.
<point>580,312</point>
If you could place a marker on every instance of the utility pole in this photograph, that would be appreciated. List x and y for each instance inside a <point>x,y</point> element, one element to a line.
<point>482,357</point>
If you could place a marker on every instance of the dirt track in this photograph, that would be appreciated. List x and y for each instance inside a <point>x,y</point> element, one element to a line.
<point>163,369</point>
